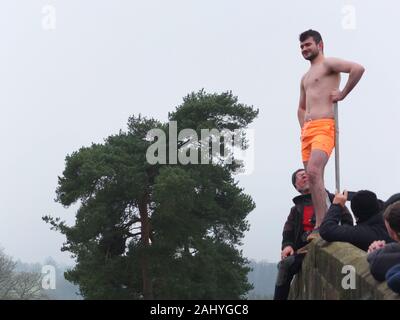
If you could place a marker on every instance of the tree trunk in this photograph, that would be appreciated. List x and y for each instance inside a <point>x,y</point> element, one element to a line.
<point>145,239</point>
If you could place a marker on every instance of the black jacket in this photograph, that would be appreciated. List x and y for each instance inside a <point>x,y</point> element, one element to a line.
<point>393,278</point>
<point>361,235</point>
<point>293,229</point>
<point>380,261</point>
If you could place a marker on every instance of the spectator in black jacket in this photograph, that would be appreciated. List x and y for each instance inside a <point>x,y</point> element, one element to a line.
<point>299,224</point>
<point>393,278</point>
<point>384,256</point>
<point>367,211</point>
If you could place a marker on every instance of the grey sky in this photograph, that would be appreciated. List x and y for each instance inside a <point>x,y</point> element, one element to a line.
<point>106,60</point>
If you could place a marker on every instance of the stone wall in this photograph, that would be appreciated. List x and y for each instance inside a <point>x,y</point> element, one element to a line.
<point>322,274</point>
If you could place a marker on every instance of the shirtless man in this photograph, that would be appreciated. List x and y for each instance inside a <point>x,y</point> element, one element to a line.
<point>319,89</point>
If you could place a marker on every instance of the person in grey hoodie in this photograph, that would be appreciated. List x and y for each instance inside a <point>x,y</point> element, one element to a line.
<point>381,255</point>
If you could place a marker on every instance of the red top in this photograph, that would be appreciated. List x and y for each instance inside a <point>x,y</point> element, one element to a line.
<point>307,216</point>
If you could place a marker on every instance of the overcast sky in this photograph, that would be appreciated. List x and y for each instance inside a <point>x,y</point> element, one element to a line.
<point>72,72</point>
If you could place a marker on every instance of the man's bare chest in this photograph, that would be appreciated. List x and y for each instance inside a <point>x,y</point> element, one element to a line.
<point>317,77</point>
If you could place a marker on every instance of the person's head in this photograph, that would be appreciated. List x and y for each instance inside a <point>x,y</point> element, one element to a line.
<point>311,44</point>
<point>364,205</point>
<point>300,181</point>
<point>392,199</point>
<point>392,220</point>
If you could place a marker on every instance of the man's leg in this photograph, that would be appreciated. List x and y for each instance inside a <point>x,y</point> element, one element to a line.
<point>283,279</point>
<point>315,170</point>
<point>287,268</point>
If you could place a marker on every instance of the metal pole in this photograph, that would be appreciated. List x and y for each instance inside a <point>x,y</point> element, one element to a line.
<point>337,168</point>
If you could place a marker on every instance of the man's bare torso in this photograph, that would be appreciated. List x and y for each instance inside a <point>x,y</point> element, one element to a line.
<point>318,84</point>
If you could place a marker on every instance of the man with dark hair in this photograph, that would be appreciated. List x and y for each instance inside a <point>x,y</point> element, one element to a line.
<point>311,33</point>
<point>319,89</point>
<point>383,256</point>
<point>370,226</point>
<point>299,224</point>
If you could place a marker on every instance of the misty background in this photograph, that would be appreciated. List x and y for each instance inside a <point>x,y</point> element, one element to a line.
<point>72,72</point>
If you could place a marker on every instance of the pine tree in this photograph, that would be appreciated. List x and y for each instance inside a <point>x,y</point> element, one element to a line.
<point>163,231</point>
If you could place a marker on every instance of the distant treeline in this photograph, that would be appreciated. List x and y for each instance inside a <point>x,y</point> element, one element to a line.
<point>262,277</point>
<point>64,290</point>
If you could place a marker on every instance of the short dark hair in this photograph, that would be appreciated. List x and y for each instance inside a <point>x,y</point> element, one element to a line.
<point>310,33</point>
<point>294,177</point>
<point>392,216</point>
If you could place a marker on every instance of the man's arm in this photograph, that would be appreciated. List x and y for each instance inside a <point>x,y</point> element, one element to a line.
<point>354,70</point>
<point>288,230</point>
<point>382,260</point>
<point>346,217</point>
<point>331,231</point>
<point>302,104</point>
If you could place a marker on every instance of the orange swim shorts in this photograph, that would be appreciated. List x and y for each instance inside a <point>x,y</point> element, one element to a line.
<point>317,134</point>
